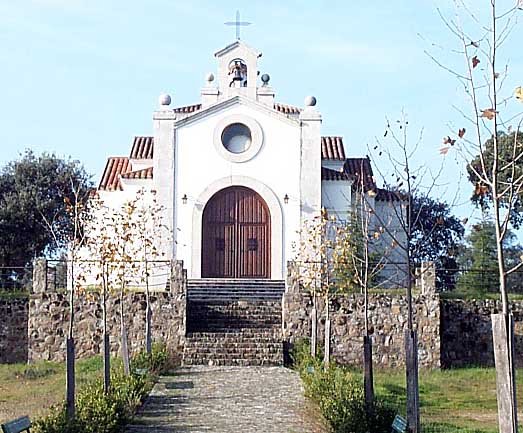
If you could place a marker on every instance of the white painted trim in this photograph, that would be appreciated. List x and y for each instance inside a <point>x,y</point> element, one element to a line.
<point>275,210</point>
<point>256,138</point>
<point>228,103</point>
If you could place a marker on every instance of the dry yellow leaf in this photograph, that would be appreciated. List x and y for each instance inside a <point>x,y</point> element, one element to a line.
<point>519,93</point>
<point>489,113</point>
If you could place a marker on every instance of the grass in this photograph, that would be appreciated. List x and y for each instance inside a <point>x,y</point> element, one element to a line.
<point>33,389</point>
<point>12,294</point>
<point>459,400</point>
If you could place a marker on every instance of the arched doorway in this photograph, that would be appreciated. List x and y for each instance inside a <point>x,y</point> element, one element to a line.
<point>236,235</point>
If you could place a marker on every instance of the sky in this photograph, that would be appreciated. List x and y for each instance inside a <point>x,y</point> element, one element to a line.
<point>80,78</point>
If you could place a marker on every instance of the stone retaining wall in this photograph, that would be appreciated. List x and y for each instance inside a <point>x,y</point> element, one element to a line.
<point>13,329</point>
<point>451,333</point>
<point>387,321</point>
<point>48,320</point>
<point>466,332</point>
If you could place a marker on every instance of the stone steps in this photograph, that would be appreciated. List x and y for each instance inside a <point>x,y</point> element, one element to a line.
<point>228,289</point>
<point>233,348</point>
<point>234,322</point>
<point>227,315</point>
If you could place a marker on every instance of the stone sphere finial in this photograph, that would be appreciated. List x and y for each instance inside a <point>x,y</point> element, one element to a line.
<point>265,79</point>
<point>164,99</point>
<point>310,101</point>
<point>209,77</point>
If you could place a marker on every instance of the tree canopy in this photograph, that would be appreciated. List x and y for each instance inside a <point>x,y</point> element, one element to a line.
<point>508,152</point>
<point>34,195</point>
<point>435,231</point>
<point>478,258</point>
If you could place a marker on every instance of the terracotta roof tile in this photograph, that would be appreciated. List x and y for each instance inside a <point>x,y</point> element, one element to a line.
<point>142,148</point>
<point>358,167</point>
<point>329,174</point>
<point>286,109</point>
<point>282,108</point>
<point>188,108</point>
<point>144,173</point>
<point>332,148</point>
<point>113,169</point>
<point>387,195</point>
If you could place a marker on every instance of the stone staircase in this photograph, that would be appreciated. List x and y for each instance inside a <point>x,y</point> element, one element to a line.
<point>234,322</point>
<point>230,289</point>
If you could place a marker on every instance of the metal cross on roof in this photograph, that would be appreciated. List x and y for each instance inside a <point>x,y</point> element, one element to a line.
<point>238,24</point>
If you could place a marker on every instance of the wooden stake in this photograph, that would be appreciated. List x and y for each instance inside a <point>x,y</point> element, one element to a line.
<point>314,319</point>
<point>368,378</point>
<point>411,349</point>
<point>503,338</point>
<point>69,379</point>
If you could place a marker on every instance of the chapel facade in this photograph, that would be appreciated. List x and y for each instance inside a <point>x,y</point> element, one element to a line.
<point>238,172</point>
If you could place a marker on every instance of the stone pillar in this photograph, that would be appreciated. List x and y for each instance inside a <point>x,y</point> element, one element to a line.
<point>292,283</point>
<point>428,278</point>
<point>265,93</point>
<point>310,161</point>
<point>178,277</point>
<point>210,92</point>
<point>39,275</point>
<point>164,170</point>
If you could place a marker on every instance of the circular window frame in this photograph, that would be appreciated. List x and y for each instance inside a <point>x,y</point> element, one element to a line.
<point>256,138</point>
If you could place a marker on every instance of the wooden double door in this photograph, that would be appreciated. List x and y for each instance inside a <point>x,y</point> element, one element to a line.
<point>236,235</point>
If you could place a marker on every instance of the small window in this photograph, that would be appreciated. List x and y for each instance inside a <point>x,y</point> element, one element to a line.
<point>236,138</point>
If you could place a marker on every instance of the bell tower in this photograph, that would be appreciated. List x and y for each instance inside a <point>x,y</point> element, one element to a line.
<point>237,70</point>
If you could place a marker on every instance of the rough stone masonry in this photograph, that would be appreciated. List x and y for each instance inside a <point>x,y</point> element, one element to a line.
<point>452,333</point>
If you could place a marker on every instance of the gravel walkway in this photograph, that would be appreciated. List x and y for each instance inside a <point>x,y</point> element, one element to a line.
<point>227,400</point>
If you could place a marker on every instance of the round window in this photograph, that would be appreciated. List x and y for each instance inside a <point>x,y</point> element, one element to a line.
<point>236,138</point>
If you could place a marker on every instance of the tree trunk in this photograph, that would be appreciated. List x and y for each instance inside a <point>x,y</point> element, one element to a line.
<point>70,356</point>
<point>314,330</point>
<point>148,337</point>
<point>327,353</point>
<point>503,338</point>
<point>106,347</point>
<point>107,364</point>
<point>125,351</point>
<point>368,378</point>
<point>123,333</point>
<point>411,350</point>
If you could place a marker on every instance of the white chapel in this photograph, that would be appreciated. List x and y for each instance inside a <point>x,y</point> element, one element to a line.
<point>238,172</point>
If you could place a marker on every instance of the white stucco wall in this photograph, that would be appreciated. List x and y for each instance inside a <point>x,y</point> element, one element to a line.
<point>274,171</point>
<point>392,242</point>
<point>336,198</point>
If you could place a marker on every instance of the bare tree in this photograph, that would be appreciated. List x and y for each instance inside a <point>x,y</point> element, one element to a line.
<point>150,234</point>
<point>397,224</point>
<point>327,263</point>
<point>76,209</point>
<point>493,153</point>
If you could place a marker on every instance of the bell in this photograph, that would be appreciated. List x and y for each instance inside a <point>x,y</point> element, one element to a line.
<point>237,75</point>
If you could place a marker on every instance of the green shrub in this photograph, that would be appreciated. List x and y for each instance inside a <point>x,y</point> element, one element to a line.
<point>97,412</point>
<point>156,363</point>
<point>339,394</point>
<point>55,422</point>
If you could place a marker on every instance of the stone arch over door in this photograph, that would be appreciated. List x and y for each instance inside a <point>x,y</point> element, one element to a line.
<point>276,222</point>
<point>236,230</point>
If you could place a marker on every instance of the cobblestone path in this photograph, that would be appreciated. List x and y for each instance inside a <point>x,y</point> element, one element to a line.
<point>227,400</point>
